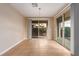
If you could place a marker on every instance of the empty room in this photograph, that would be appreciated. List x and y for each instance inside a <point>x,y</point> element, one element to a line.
<point>39,29</point>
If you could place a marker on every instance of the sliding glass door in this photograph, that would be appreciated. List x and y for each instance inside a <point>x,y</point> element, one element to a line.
<point>39,29</point>
<point>64,29</point>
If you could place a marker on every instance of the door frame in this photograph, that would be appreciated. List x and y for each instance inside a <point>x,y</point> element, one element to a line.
<point>46,30</point>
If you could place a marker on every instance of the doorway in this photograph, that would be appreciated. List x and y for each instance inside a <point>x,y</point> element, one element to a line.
<point>39,28</point>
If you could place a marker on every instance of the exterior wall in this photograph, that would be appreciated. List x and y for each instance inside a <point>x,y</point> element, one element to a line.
<point>12,27</point>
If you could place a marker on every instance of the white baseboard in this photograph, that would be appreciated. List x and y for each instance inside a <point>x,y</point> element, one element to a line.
<point>11,47</point>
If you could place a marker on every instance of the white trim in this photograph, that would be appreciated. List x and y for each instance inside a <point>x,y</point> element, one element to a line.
<point>11,47</point>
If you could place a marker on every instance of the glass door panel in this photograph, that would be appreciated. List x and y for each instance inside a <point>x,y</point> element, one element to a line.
<point>42,28</point>
<point>34,29</point>
<point>67,27</point>
<point>59,30</point>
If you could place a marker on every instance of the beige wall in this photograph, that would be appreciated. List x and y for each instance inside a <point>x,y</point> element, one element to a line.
<point>52,32</point>
<point>11,27</point>
<point>27,28</point>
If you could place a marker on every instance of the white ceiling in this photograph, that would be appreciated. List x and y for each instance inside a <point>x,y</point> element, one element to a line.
<point>47,9</point>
